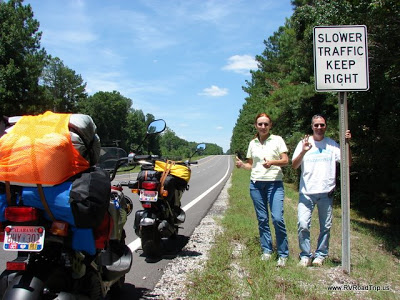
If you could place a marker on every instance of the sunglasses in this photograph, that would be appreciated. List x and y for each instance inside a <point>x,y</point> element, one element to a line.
<point>322,125</point>
<point>261,124</point>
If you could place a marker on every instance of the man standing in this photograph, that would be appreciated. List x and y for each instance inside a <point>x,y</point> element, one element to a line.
<point>317,155</point>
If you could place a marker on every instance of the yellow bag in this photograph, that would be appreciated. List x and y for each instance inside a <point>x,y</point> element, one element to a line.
<point>176,169</point>
<point>39,150</point>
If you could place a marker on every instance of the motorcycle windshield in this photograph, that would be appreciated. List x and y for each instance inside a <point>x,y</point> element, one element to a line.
<point>109,157</point>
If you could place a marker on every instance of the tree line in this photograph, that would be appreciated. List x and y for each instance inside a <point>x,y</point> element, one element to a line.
<point>283,86</point>
<point>32,82</point>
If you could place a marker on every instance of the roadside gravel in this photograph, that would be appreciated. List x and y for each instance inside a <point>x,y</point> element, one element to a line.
<point>193,256</point>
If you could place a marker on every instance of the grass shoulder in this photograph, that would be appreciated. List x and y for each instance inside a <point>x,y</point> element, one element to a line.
<point>234,269</point>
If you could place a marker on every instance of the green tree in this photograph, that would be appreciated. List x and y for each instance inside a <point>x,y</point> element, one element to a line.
<point>153,140</point>
<point>136,129</point>
<point>173,146</point>
<point>283,86</point>
<point>64,87</point>
<point>21,59</point>
<point>212,149</point>
<point>109,111</point>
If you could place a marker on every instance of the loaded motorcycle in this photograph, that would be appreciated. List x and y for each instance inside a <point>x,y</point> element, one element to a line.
<point>160,185</point>
<point>57,258</point>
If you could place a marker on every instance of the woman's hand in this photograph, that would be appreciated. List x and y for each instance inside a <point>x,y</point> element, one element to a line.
<point>239,163</point>
<point>267,164</point>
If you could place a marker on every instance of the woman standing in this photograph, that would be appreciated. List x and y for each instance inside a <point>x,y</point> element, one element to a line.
<point>266,154</point>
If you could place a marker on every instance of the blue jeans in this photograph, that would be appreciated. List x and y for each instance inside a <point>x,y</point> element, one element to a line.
<point>272,193</point>
<point>306,206</point>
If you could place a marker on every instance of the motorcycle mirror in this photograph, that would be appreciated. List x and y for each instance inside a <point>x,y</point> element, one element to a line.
<point>157,126</point>
<point>201,147</point>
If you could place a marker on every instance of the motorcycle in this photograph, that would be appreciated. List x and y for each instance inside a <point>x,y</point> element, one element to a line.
<point>160,185</point>
<point>49,266</point>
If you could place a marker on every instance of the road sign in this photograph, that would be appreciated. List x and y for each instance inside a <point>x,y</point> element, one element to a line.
<point>341,58</point>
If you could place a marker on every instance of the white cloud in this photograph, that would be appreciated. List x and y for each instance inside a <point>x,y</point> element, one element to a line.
<point>219,127</point>
<point>212,11</point>
<point>68,38</point>
<point>214,91</point>
<point>241,64</point>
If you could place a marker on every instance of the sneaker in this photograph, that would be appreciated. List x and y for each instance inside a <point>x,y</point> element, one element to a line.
<point>266,256</point>
<point>305,261</point>
<point>281,262</point>
<point>318,261</point>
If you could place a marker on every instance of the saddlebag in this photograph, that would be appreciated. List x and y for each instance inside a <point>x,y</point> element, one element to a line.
<point>90,197</point>
<point>148,175</point>
<point>81,201</point>
<point>174,182</point>
<point>174,168</point>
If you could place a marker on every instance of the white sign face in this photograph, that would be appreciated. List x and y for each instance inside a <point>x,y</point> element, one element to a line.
<point>341,58</point>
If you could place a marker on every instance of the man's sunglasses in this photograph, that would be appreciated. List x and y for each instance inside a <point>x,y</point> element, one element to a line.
<point>322,125</point>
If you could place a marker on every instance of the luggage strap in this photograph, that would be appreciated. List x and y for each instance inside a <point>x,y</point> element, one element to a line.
<point>44,202</point>
<point>8,193</point>
<point>169,164</point>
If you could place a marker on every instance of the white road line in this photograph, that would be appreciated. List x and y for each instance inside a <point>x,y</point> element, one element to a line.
<point>193,202</point>
<point>136,243</point>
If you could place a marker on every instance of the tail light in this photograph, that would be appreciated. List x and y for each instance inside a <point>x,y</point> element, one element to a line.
<point>117,188</point>
<point>16,266</point>
<point>150,185</point>
<point>59,228</point>
<point>21,214</point>
<point>146,204</point>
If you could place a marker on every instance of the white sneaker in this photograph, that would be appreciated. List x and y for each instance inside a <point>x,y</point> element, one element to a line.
<point>281,262</point>
<point>266,256</point>
<point>304,261</point>
<point>318,261</point>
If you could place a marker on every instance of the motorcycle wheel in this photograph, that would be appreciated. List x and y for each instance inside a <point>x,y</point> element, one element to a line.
<point>174,236</point>
<point>151,242</point>
<point>92,286</point>
<point>115,289</point>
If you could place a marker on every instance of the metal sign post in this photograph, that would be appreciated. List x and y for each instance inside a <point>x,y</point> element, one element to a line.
<point>344,182</point>
<point>341,64</point>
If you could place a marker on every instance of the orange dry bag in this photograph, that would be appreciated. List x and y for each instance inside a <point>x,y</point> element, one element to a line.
<point>38,150</point>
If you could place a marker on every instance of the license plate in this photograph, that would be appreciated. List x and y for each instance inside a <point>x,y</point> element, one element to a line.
<point>24,238</point>
<point>148,196</point>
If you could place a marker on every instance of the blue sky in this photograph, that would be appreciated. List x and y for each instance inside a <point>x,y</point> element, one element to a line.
<point>183,61</point>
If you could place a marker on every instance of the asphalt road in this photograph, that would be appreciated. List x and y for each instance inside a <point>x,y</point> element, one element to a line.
<point>207,180</point>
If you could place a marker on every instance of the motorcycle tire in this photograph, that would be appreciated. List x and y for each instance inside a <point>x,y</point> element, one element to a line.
<point>93,286</point>
<point>115,289</point>
<point>151,242</point>
<point>174,236</point>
